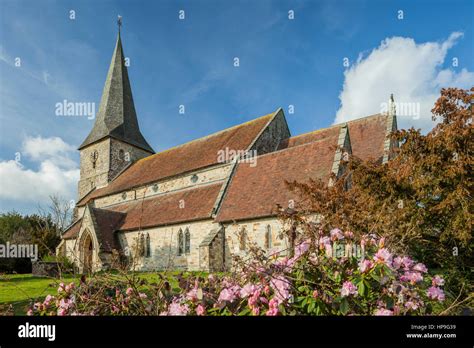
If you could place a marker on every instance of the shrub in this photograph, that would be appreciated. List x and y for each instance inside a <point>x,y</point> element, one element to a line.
<point>316,280</point>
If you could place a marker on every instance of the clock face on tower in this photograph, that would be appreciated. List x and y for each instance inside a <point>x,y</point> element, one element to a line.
<point>94,157</point>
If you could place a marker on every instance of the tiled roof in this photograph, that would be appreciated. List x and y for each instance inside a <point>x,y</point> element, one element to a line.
<point>255,191</point>
<point>367,136</point>
<point>107,223</point>
<point>310,137</point>
<point>196,154</point>
<point>186,205</point>
<point>73,231</point>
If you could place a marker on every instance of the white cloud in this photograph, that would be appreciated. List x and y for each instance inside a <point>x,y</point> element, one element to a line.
<point>412,72</point>
<point>57,173</point>
<point>53,149</point>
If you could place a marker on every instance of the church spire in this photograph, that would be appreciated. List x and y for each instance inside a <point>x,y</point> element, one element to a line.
<point>117,117</point>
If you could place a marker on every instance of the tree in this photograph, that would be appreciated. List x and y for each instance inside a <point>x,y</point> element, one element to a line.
<point>43,229</point>
<point>421,201</point>
<point>60,211</point>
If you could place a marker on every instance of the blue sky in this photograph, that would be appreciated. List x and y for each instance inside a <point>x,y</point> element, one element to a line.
<point>190,62</point>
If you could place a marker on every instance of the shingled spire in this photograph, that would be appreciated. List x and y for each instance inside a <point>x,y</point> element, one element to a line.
<point>117,117</point>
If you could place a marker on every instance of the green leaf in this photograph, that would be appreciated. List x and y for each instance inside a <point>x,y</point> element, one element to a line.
<point>246,311</point>
<point>318,310</point>
<point>311,307</point>
<point>344,307</point>
<point>361,288</point>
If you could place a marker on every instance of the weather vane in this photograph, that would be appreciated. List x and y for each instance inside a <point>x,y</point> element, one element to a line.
<point>119,21</point>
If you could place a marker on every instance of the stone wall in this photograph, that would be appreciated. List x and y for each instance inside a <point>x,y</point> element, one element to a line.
<point>271,137</point>
<point>212,251</point>
<point>255,231</point>
<point>45,269</point>
<point>73,246</point>
<point>94,176</point>
<point>113,157</point>
<point>205,176</point>
<point>121,154</point>
<point>164,246</point>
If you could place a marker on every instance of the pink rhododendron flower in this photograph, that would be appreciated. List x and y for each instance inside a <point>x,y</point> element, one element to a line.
<point>176,308</point>
<point>200,310</point>
<point>419,267</point>
<point>30,312</point>
<point>323,241</point>
<point>64,303</point>
<point>281,287</point>
<point>383,311</point>
<point>129,291</point>
<point>192,294</point>
<point>348,288</point>
<point>247,290</point>
<point>302,248</point>
<point>365,265</point>
<point>62,311</point>
<point>412,305</point>
<point>283,264</point>
<point>336,234</point>
<point>412,277</point>
<point>383,256</point>
<point>272,307</point>
<point>437,281</point>
<point>315,294</point>
<point>436,293</point>
<point>328,248</point>
<point>397,262</point>
<point>253,299</point>
<point>61,287</point>
<point>407,262</point>
<point>47,300</point>
<point>349,234</point>
<point>229,294</point>
<point>142,295</point>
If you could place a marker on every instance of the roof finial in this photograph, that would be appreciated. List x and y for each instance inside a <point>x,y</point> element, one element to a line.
<point>119,22</point>
<point>391,106</point>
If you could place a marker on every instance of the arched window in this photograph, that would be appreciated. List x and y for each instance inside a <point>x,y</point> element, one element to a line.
<point>141,249</point>
<point>243,240</point>
<point>180,242</point>
<point>187,241</point>
<point>148,246</point>
<point>268,237</point>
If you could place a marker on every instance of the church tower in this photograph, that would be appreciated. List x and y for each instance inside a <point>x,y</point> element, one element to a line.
<point>115,141</point>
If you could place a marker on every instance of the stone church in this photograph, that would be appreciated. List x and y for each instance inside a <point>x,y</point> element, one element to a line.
<point>190,207</point>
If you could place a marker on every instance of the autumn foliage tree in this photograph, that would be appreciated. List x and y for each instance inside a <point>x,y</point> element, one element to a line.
<point>420,201</point>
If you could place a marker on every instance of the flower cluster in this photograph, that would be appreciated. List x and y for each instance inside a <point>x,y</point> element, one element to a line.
<point>307,281</point>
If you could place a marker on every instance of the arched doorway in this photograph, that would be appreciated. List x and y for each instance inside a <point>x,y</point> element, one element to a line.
<point>87,249</point>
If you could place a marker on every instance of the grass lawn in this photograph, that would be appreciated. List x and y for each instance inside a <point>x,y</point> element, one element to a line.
<point>20,290</point>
